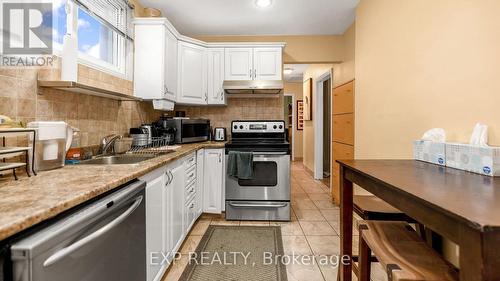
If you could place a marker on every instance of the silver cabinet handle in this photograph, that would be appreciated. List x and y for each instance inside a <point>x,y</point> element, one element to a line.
<point>98,233</point>
<point>251,74</point>
<point>169,178</point>
<point>222,96</point>
<point>255,74</point>
<point>257,205</point>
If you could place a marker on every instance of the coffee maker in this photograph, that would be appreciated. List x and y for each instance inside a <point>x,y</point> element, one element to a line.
<point>164,130</point>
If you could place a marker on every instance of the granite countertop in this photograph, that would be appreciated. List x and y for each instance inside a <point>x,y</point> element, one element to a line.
<point>29,201</point>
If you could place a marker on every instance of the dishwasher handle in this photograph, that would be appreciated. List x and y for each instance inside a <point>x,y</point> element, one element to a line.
<point>57,256</point>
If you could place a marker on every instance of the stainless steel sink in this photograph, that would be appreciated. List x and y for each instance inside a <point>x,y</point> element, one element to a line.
<point>117,160</point>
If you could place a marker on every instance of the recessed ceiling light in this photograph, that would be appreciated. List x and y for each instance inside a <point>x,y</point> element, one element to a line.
<point>263,3</point>
<point>288,71</point>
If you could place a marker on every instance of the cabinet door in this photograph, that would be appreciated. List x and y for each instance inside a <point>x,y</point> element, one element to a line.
<point>238,63</point>
<point>213,180</point>
<point>171,66</point>
<point>215,76</point>
<point>177,204</point>
<point>200,166</point>
<point>192,74</point>
<point>149,61</point>
<point>155,220</point>
<point>268,63</point>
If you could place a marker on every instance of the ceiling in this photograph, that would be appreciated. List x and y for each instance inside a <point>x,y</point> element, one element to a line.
<point>297,74</point>
<point>243,17</point>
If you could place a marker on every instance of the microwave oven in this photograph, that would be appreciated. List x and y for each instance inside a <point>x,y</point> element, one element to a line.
<point>190,130</point>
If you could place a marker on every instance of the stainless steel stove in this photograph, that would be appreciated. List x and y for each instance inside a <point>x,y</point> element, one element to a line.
<point>267,195</point>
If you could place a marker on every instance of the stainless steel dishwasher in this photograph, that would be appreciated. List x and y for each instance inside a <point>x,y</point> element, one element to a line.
<point>101,242</point>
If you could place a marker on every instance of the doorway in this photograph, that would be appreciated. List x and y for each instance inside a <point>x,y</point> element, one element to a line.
<point>322,124</point>
<point>327,117</point>
<point>289,114</point>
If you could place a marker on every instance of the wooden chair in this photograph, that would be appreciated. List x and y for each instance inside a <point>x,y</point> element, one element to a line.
<point>370,207</point>
<point>401,252</point>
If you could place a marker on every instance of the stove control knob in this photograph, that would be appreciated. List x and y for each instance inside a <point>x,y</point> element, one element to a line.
<point>235,127</point>
<point>281,127</point>
<point>241,127</point>
<point>275,127</point>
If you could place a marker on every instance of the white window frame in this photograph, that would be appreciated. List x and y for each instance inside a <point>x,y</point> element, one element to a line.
<point>122,51</point>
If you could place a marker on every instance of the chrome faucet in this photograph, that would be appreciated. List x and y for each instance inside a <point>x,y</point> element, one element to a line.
<point>108,142</point>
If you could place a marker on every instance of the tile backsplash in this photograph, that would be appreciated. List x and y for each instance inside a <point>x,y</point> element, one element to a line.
<point>96,117</point>
<point>238,109</point>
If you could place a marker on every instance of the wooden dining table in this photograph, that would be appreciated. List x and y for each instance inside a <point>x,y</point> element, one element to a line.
<point>460,206</point>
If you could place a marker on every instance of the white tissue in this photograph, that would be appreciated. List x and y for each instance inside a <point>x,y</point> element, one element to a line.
<point>479,135</point>
<point>435,135</point>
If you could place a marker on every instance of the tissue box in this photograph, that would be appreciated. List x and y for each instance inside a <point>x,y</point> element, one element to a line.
<point>429,151</point>
<point>476,159</point>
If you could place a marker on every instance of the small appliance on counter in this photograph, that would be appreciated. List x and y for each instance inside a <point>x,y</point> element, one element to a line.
<point>190,130</point>
<point>220,134</point>
<point>53,141</point>
<point>139,137</point>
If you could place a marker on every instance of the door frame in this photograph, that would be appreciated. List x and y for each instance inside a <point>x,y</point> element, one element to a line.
<point>318,122</point>
<point>293,123</point>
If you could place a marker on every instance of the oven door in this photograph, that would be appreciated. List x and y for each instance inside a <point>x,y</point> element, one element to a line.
<point>271,180</point>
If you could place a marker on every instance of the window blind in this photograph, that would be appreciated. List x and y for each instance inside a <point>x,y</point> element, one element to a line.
<point>113,13</point>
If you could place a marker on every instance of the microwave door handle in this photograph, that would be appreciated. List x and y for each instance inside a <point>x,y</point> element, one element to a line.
<point>101,231</point>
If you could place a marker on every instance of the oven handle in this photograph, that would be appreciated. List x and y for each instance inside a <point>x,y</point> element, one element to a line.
<point>269,153</point>
<point>258,205</point>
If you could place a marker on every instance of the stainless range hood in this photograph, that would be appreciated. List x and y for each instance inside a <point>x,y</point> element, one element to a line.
<point>253,88</point>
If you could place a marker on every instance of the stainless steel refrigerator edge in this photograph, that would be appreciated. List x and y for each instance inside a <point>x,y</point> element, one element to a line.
<point>103,241</point>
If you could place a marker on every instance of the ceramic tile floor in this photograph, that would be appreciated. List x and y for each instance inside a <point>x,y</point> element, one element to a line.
<point>313,230</point>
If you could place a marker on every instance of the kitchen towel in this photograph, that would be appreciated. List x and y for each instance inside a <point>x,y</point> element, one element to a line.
<point>240,165</point>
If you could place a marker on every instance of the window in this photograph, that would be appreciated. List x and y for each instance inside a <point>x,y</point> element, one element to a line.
<point>101,30</point>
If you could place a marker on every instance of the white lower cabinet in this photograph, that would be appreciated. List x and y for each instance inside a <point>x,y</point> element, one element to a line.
<point>176,195</point>
<point>176,224</point>
<point>200,168</point>
<point>157,239</point>
<point>213,180</point>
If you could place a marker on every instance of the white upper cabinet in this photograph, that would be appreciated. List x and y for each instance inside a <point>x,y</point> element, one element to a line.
<point>239,63</point>
<point>267,63</point>
<point>192,74</point>
<point>171,67</point>
<point>260,63</point>
<point>216,76</point>
<point>155,60</point>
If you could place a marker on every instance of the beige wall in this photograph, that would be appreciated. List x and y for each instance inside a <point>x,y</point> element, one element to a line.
<point>296,90</point>
<point>313,72</point>
<point>299,49</point>
<point>344,72</point>
<point>424,64</point>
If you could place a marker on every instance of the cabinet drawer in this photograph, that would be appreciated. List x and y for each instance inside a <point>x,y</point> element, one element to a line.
<point>190,176</point>
<point>190,191</point>
<point>343,128</point>
<point>343,99</point>
<point>190,161</point>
